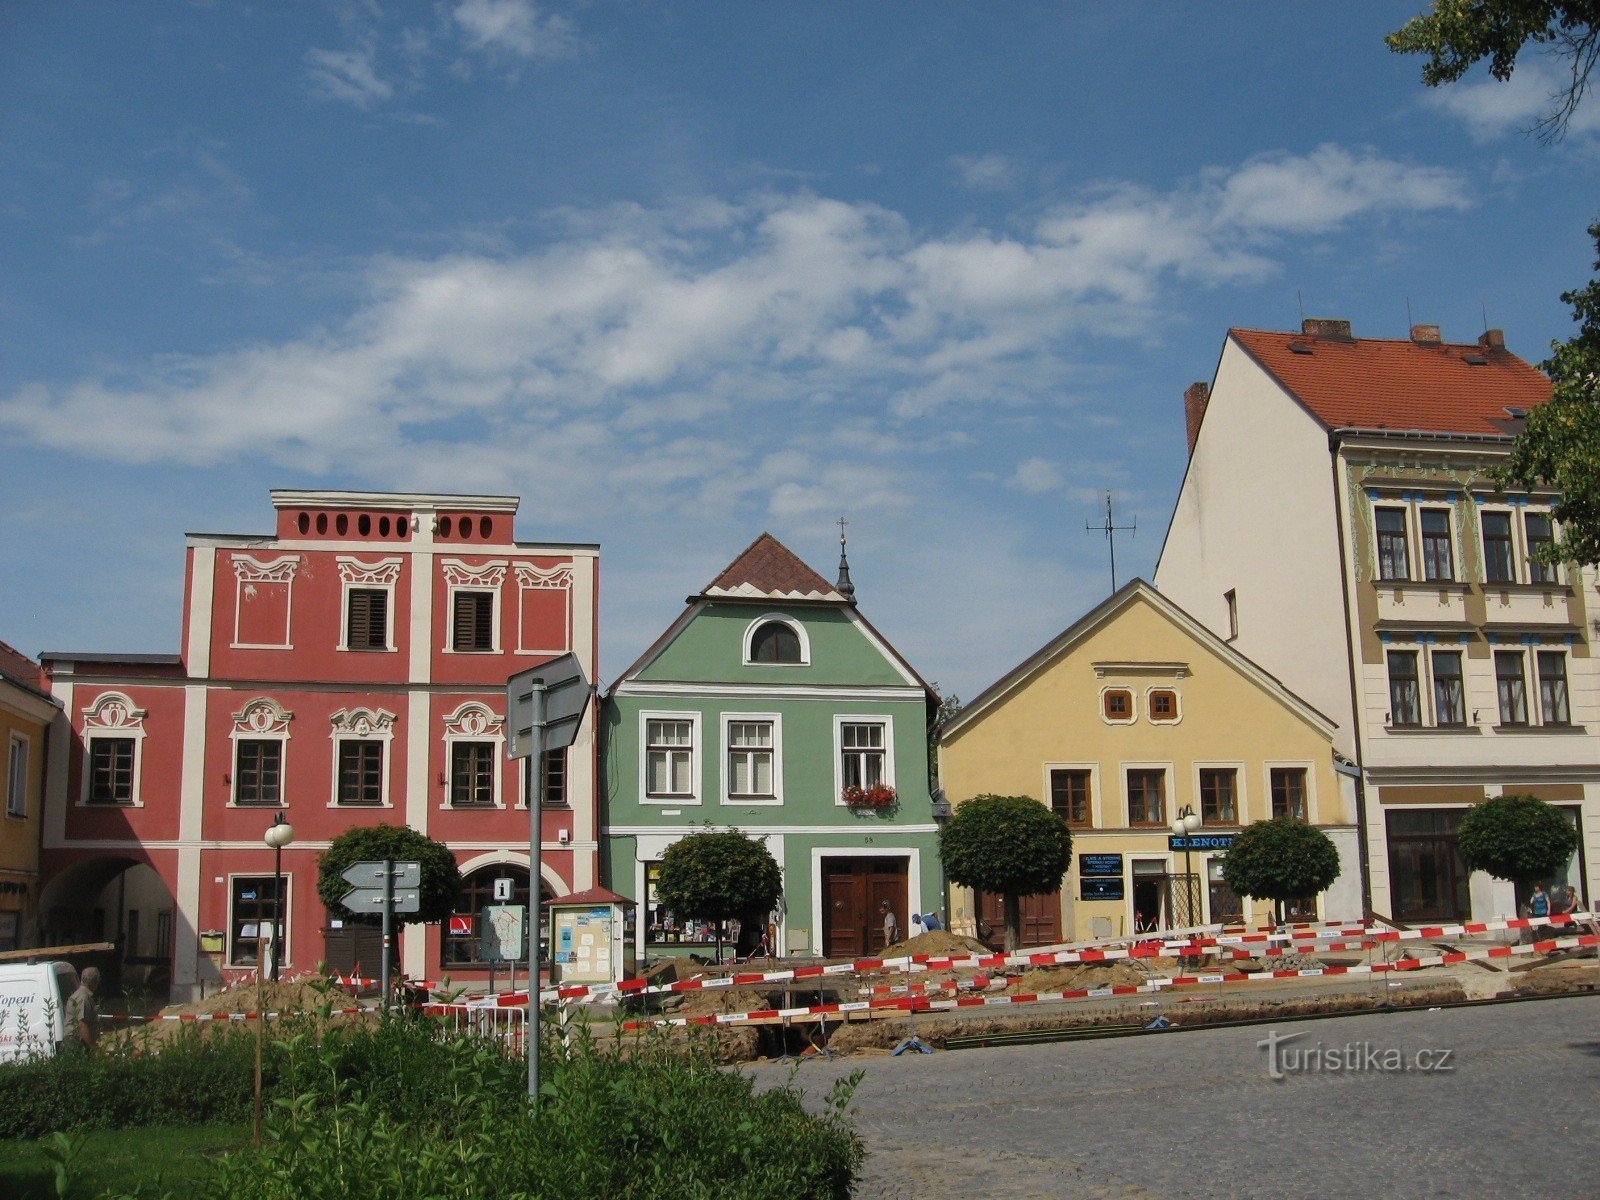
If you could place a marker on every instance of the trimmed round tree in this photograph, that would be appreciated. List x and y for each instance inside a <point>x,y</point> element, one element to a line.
<point>718,875</point>
<point>441,879</point>
<point>1012,846</point>
<point>1279,860</point>
<point>1518,838</point>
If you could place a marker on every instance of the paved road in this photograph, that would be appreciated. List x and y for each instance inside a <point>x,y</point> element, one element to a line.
<point>1195,1116</point>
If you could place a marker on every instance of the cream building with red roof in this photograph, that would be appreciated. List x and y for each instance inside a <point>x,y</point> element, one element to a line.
<point>1339,525</point>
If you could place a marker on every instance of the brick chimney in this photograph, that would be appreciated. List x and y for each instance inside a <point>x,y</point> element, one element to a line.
<point>1427,335</point>
<point>1329,329</point>
<point>1492,339</point>
<point>1195,398</point>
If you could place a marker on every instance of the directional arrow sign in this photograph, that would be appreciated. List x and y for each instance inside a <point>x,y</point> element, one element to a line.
<point>370,875</point>
<point>370,900</point>
<point>566,696</point>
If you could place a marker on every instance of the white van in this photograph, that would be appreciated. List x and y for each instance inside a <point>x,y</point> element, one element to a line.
<point>33,1007</point>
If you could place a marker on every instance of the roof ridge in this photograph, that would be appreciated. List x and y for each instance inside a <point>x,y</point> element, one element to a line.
<point>1353,339</point>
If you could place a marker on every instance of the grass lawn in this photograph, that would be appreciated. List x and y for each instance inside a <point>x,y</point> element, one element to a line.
<point>175,1158</point>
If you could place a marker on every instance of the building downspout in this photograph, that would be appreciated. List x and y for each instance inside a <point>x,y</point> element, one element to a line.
<point>1352,650</point>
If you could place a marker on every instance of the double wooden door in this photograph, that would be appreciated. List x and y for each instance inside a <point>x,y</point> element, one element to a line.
<point>852,890</point>
<point>1041,919</point>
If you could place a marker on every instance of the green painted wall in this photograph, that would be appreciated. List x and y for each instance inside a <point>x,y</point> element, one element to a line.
<point>711,648</point>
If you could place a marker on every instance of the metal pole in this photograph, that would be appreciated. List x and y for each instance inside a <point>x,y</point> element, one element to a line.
<point>535,791</point>
<point>277,910</point>
<point>388,930</point>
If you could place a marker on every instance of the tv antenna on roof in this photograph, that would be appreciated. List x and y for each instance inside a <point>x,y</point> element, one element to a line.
<point>1110,528</point>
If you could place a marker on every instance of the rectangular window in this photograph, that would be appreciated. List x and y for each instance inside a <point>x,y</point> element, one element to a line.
<point>1438,561</point>
<point>1219,796</point>
<point>367,619</point>
<point>163,947</point>
<point>750,766</point>
<point>1147,797</point>
<point>1394,558</point>
<point>472,767</point>
<point>1541,536</point>
<point>554,793</point>
<point>1499,566</point>
<point>1069,797</point>
<point>17,778</point>
<point>258,771</point>
<point>1511,687</point>
<point>1553,687</point>
<point>1289,793</point>
<point>360,772</point>
<point>1449,695</point>
<point>862,753</point>
<point>669,751</point>
<point>1405,701</point>
<point>252,908</point>
<point>111,770</point>
<point>472,621</point>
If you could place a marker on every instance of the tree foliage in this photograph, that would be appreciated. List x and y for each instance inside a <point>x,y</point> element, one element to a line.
<point>441,878</point>
<point>714,876</point>
<point>1559,446</point>
<point>1517,838</point>
<point>1455,34</point>
<point>1010,845</point>
<point>1280,860</point>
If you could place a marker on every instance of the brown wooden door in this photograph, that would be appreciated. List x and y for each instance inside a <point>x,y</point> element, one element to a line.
<point>852,890</point>
<point>1041,919</point>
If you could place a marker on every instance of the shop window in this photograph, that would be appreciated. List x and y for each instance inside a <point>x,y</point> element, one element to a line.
<point>462,945</point>
<point>663,928</point>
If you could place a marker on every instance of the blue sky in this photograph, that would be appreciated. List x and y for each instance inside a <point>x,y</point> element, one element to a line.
<point>677,273</point>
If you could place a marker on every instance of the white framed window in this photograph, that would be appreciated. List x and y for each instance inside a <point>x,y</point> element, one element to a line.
<point>367,616</point>
<point>1291,788</point>
<point>669,757</point>
<point>1073,789</point>
<point>1148,789</point>
<point>1117,705</point>
<point>1449,687</point>
<point>1394,541</point>
<point>1438,544</point>
<point>776,640</point>
<point>1220,787</point>
<point>473,605</point>
<point>863,752</point>
<point>552,781</point>
<point>1497,527</point>
<point>1555,706</point>
<point>752,764</point>
<point>17,776</point>
<point>474,749</point>
<point>1511,687</point>
<point>1539,532</point>
<point>1163,705</point>
<point>260,754</point>
<point>362,738</point>
<point>113,751</point>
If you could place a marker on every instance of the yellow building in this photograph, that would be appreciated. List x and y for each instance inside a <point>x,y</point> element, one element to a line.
<point>26,712</point>
<point>1132,717</point>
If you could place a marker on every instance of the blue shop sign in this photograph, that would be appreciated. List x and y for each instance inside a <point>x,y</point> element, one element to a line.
<point>1100,889</point>
<point>1100,864</point>
<point>1201,841</point>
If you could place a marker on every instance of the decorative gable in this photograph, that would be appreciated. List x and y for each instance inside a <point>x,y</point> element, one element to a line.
<point>768,570</point>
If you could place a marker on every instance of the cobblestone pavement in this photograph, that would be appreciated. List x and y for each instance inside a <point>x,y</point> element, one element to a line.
<point>1195,1116</point>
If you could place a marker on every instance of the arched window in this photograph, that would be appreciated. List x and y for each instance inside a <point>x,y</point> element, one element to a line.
<point>775,642</point>
<point>461,938</point>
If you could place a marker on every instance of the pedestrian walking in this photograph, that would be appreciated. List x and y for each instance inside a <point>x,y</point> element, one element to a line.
<point>891,925</point>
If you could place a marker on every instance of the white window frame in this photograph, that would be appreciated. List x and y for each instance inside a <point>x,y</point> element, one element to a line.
<point>1408,520</point>
<point>1558,571</point>
<point>1518,558</point>
<point>287,941</point>
<point>17,775</point>
<point>1304,764</point>
<point>1096,818</point>
<point>461,577</point>
<point>1133,704</point>
<point>363,725</point>
<point>1449,509</point>
<point>381,576</point>
<point>261,720</point>
<point>781,619</point>
<point>726,748</point>
<point>1169,798</point>
<point>1424,680</point>
<point>1429,686</point>
<point>474,721</point>
<point>1241,786</point>
<point>1536,679</point>
<point>113,715</point>
<point>1530,685</point>
<point>1149,713</point>
<point>696,742</point>
<point>840,720</point>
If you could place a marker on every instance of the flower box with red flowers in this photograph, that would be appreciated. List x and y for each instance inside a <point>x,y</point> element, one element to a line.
<point>880,796</point>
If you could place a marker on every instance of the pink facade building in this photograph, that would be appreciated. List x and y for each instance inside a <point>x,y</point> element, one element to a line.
<point>347,669</point>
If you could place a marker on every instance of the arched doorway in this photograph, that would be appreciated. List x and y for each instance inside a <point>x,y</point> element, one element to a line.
<point>462,944</point>
<point>122,901</point>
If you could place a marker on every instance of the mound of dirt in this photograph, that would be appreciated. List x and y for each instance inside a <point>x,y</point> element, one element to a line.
<point>1066,979</point>
<point>721,1000</point>
<point>939,942</point>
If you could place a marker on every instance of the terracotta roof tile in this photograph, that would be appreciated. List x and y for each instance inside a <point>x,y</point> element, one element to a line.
<point>767,569</point>
<point>1377,383</point>
<point>19,668</point>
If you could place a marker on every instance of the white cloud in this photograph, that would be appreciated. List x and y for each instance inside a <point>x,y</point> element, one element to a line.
<point>515,27</point>
<point>1036,476</point>
<point>346,75</point>
<point>1492,109</point>
<point>987,172</point>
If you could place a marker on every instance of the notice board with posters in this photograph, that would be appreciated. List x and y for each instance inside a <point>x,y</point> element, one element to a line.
<point>582,949</point>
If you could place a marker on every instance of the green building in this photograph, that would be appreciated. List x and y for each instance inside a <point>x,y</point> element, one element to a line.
<point>773,707</point>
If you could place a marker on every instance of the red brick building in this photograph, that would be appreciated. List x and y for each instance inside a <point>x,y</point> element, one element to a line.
<point>348,668</point>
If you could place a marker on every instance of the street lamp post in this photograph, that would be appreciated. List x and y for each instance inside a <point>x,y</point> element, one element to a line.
<point>1185,825</point>
<point>279,834</point>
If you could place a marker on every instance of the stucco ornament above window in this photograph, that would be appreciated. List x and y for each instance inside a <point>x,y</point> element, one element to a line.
<point>353,570</point>
<point>363,722</point>
<point>264,715</point>
<point>113,710</point>
<point>473,720</point>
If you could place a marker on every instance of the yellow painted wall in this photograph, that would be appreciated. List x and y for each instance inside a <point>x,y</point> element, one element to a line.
<point>21,712</point>
<point>1053,718</point>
